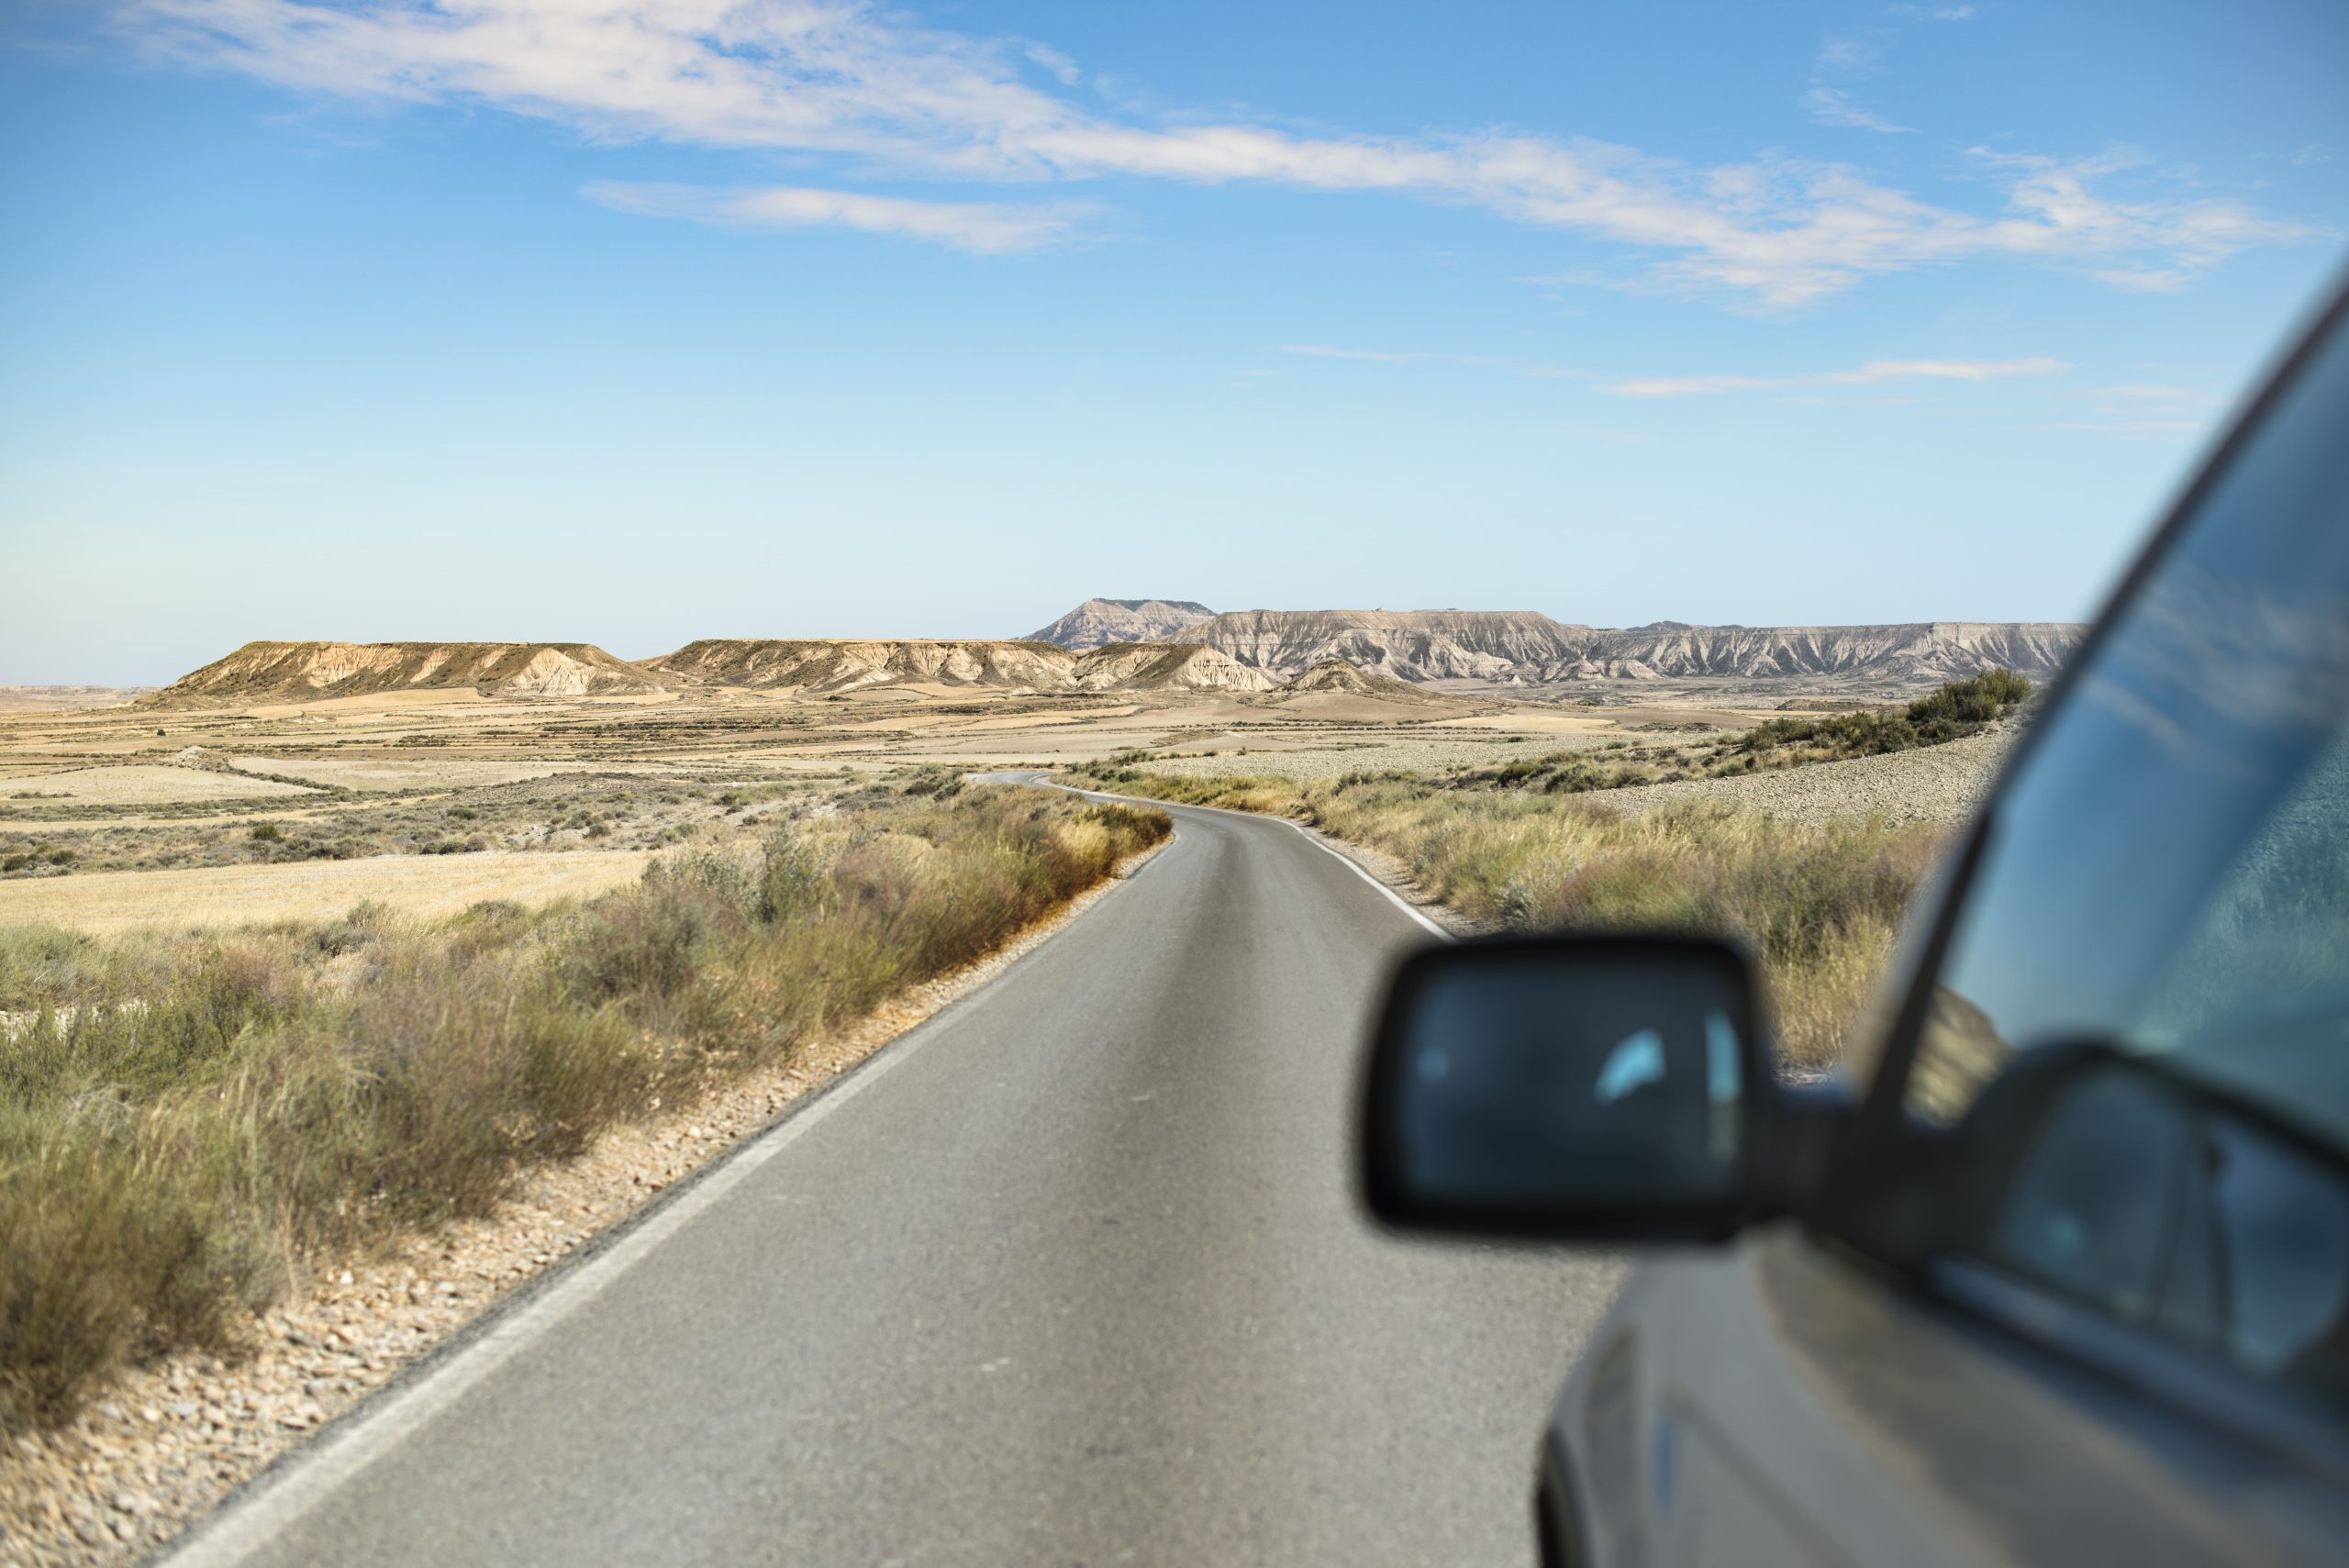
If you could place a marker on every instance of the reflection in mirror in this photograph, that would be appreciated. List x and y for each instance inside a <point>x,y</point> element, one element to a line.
<point>1545,1079</point>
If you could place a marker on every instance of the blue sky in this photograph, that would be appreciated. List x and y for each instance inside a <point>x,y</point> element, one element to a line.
<point>641,320</point>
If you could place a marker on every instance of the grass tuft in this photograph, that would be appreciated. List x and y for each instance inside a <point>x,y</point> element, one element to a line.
<point>180,1115</point>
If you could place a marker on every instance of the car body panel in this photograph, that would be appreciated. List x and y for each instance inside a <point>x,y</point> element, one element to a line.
<point>1773,1401</point>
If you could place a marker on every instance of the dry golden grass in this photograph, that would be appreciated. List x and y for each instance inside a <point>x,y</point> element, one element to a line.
<point>181,1114</point>
<point>424,886</point>
<point>1819,904</point>
<point>144,783</point>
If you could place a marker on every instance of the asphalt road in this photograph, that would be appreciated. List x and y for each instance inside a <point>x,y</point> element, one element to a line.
<point>1071,1275</point>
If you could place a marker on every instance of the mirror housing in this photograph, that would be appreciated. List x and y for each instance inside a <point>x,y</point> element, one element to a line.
<point>1605,1088</point>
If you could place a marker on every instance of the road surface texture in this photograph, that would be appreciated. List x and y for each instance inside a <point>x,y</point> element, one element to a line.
<point>1072,1274</point>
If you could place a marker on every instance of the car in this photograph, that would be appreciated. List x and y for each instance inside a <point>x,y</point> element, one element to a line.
<point>2057,1272</point>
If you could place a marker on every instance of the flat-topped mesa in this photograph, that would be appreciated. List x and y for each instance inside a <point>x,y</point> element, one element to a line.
<point>843,665</point>
<point>1098,623</point>
<point>836,665</point>
<point>304,672</point>
<point>1410,645</point>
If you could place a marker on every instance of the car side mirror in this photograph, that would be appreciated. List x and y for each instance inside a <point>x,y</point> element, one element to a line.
<point>1568,1088</point>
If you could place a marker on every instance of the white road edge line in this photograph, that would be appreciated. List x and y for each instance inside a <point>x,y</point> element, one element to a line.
<point>1356,867</point>
<point>309,1474</point>
<point>1310,836</point>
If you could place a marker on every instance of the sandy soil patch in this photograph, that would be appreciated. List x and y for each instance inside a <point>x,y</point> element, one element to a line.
<point>400,774</point>
<point>147,783</point>
<point>314,890</point>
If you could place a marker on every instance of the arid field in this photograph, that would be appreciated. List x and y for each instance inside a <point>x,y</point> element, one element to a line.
<point>335,800</point>
<point>349,975</point>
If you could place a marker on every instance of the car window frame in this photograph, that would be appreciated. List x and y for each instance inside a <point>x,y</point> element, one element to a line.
<point>1881,1122</point>
<point>1881,1147</point>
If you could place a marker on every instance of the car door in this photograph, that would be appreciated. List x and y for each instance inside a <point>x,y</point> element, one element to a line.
<point>2113,1327</point>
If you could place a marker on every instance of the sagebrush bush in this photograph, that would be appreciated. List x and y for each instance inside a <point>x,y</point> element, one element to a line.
<point>180,1114</point>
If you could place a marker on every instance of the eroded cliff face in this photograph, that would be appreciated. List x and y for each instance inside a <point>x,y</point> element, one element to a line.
<point>297,671</point>
<point>1410,645</point>
<point>1099,623</point>
<point>1524,647</point>
<point>842,665</point>
<point>1192,666</point>
<point>1919,650</point>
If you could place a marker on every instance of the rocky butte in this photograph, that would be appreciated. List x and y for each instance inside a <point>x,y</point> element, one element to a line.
<point>1097,623</point>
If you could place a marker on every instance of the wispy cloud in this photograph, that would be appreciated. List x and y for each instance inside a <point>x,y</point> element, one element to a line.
<point>1383,356</point>
<point>1835,106</point>
<point>1849,54</point>
<point>1832,105</point>
<point>985,227</point>
<point>1062,67</point>
<point>841,78</point>
<point>2142,408</point>
<point>1536,372</point>
<point>1871,373</point>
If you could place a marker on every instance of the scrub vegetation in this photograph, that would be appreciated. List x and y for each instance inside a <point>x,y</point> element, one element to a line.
<point>183,1116</point>
<point>1819,904</point>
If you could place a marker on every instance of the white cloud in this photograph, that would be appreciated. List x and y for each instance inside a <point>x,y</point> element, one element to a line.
<point>1059,65</point>
<point>1849,54</point>
<point>1832,105</point>
<point>967,226</point>
<point>841,78</point>
<point>1868,374</point>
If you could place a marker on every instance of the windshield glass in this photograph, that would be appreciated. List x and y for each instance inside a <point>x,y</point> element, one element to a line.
<point>2169,872</point>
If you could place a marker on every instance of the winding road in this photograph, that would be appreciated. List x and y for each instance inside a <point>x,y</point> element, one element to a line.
<point>1070,1274</point>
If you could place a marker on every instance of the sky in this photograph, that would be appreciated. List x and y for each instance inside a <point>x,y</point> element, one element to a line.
<point>634,321</point>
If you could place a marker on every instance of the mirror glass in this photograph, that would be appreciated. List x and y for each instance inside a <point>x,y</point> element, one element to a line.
<point>1572,1083</point>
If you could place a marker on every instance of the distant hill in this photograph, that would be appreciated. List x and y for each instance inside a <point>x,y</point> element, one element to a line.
<point>848,664</point>
<point>1522,648</point>
<point>1097,623</point>
<point>1923,650</point>
<point>19,698</point>
<point>299,672</point>
<point>1409,645</point>
<point>1337,675</point>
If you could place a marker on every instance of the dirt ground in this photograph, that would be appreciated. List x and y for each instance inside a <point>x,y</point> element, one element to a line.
<point>319,890</point>
<point>123,815</point>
